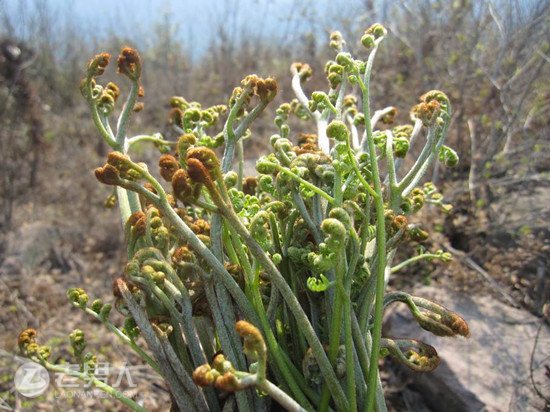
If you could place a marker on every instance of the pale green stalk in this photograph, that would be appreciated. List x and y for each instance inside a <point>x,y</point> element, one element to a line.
<point>182,398</point>
<point>392,179</point>
<point>122,123</point>
<point>413,259</point>
<point>125,339</point>
<point>410,182</point>
<point>232,138</point>
<point>335,325</point>
<point>174,314</point>
<point>271,341</point>
<point>304,182</point>
<point>368,145</point>
<point>294,306</point>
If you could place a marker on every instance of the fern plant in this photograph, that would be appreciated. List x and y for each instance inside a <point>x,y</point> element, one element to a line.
<point>252,291</point>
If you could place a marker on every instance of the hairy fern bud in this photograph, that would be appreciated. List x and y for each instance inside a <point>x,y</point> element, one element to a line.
<point>129,63</point>
<point>97,65</point>
<point>207,158</point>
<point>337,130</point>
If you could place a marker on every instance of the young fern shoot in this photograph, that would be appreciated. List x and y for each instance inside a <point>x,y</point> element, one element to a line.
<point>270,289</point>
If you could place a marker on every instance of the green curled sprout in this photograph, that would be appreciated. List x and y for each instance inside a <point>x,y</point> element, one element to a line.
<point>319,284</point>
<point>448,156</point>
<point>336,233</point>
<point>337,130</point>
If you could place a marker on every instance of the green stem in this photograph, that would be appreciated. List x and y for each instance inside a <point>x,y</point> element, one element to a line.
<point>354,164</point>
<point>174,315</point>
<point>127,110</point>
<point>282,398</point>
<point>340,99</point>
<point>225,306</point>
<point>434,150</point>
<point>380,267</point>
<point>380,236</point>
<point>363,345</point>
<point>250,117</point>
<point>294,306</point>
<point>220,293</point>
<point>244,400</point>
<point>302,209</point>
<point>107,135</point>
<point>301,96</point>
<point>348,336</point>
<point>128,203</point>
<point>229,134</point>
<point>364,84</point>
<point>338,194</point>
<point>197,396</point>
<point>310,186</point>
<point>155,138</point>
<point>412,260</point>
<point>274,348</point>
<point>350,364</point>
<point>336,322</point>
<point>125,339</point>
<point>422,162</point>
<point>206,206</point>
<point>240,164</point>
<point>123,204</point>
<point>182,397</point>
<point>395,197</point>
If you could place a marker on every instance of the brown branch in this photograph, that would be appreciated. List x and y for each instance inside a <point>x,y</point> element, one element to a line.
<point>484,275</point>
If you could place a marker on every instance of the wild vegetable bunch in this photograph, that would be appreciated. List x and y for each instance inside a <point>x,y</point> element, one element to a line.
<point>255,290</point>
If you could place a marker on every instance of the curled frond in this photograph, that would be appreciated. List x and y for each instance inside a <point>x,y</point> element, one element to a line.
<point>129,63</point>
<point>319,284</point>
<point>414,354</point>
<point>207,157</point>
<point>97,65</point>
<point>254,344</point>
<point>301,69</point>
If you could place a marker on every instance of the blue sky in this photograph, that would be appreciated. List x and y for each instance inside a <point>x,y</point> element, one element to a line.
<point>196,21</point>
